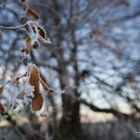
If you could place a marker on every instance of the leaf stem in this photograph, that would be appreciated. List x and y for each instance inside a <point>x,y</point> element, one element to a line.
<point>13,28</point>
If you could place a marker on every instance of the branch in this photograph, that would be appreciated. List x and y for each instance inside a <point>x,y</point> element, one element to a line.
<point>97,109</point>
<point>123,19</point>
<point>13,28</point>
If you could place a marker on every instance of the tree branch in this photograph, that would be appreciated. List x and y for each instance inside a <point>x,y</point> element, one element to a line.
<point>13,28</point>
<point>106,110</point>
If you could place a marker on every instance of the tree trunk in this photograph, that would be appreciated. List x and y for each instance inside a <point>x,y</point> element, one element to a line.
<point>70,122</point>
<point>69,127</point>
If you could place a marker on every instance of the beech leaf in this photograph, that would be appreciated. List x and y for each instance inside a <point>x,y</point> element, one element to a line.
<point>37,101</point>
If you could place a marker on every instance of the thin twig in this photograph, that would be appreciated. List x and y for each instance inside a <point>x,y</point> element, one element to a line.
<point>13,28</point>
<point>14,80</point>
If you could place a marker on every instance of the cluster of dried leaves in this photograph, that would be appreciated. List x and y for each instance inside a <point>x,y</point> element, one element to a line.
<point>34,34</point>
<point>31,91</point>
<point>35,80</point>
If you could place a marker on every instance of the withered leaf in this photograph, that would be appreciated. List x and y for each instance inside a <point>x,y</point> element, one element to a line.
<point>30,12</point>
<point>45,86</point>
<point>39,30</point>
<point>42,32</point>
<point>37,101</point>
<point>28,44</point>
<point>34,76</point>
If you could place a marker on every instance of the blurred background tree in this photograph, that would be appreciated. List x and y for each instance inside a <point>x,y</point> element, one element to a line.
<point>93,60</point>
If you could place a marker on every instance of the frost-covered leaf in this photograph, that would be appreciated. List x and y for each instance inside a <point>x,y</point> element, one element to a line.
<point>44,85</point>
<point>37,32</point>
<point>34,77</point>
<point>37,102</point>
<point>30,12</point>
<point>27,48</point>
<point>28,42</point>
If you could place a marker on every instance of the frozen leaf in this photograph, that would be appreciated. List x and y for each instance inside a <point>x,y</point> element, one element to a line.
<point>44,85</point>
<point>41,33</point>
<point>30,12</point>
<point>37,32</point>
<point>31,31</point>
<point>37,100</point>
<point>28,42</point>
<point>27,48</point>
<point>34,76</point>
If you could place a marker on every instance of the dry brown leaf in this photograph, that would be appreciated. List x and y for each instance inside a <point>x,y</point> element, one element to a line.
<point>30,12</point>
<point>37,101</point>
<point>1,108</point>
<point>42,32</point>
<point>39,30</point>
<point>44,85</point>
<point>28,47</point>
<point>34,76</point>
<point>28,44</point>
